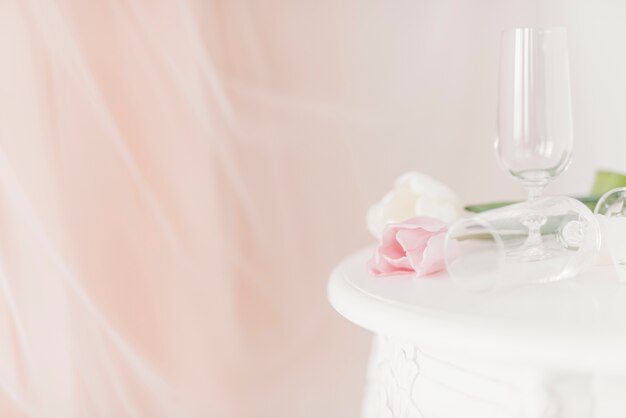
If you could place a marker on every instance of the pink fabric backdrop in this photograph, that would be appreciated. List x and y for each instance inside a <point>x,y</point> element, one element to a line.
<point>179,177</point>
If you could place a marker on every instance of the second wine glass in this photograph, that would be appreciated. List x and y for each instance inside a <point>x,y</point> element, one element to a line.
<point>534,136</point>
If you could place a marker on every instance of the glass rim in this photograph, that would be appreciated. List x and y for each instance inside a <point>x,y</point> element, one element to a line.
<point>605,196</point>
<point>498,242</point>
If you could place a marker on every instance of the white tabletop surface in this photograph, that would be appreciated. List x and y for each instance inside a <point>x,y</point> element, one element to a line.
<point>578,324</point>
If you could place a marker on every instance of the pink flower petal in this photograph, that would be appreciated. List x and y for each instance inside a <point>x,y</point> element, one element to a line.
<point>389,245</point>
<point>383,268</point>
<point>424,222</point>
<point>399,263</point>
<point>413,239</point>
<point>414,245</point>
<point>432,259</point>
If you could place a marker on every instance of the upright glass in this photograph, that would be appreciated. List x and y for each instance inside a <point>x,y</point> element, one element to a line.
<point>534,134</point>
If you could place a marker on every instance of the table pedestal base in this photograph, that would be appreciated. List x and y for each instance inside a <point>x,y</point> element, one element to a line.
<point>406,382</point>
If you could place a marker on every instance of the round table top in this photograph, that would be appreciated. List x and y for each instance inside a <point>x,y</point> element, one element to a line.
<point>577,324</point>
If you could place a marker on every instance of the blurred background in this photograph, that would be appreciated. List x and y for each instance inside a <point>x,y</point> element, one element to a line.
<point>178,179</point>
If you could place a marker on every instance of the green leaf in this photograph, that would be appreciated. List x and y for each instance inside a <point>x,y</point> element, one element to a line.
<point>607,180</point>
<point>604,181</point>
<point>483,207</point>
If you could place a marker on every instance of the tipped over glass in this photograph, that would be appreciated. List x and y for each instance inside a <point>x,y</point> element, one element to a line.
<point>482,252</point>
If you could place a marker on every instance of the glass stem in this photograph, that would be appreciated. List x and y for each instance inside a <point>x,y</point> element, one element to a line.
<point>535,191</point>
<point>533,222</point>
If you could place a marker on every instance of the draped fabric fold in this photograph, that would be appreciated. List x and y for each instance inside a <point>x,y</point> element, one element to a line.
<point>148,238</point>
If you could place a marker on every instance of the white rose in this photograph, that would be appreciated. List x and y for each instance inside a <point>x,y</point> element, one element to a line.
<point>414,194</point>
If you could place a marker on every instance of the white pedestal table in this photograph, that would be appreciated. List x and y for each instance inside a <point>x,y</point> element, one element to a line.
<point>543,350</point>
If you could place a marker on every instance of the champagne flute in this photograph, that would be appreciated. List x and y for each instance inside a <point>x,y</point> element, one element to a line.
<point>534,136</point>
<point>478,249</point>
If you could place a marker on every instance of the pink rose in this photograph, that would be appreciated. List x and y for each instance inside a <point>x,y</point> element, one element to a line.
<point>415,245</point>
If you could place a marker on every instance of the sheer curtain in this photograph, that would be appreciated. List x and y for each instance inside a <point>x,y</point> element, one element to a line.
<point>177,179</point>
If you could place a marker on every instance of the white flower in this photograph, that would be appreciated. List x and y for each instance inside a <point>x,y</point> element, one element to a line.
<point>414,194</point>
